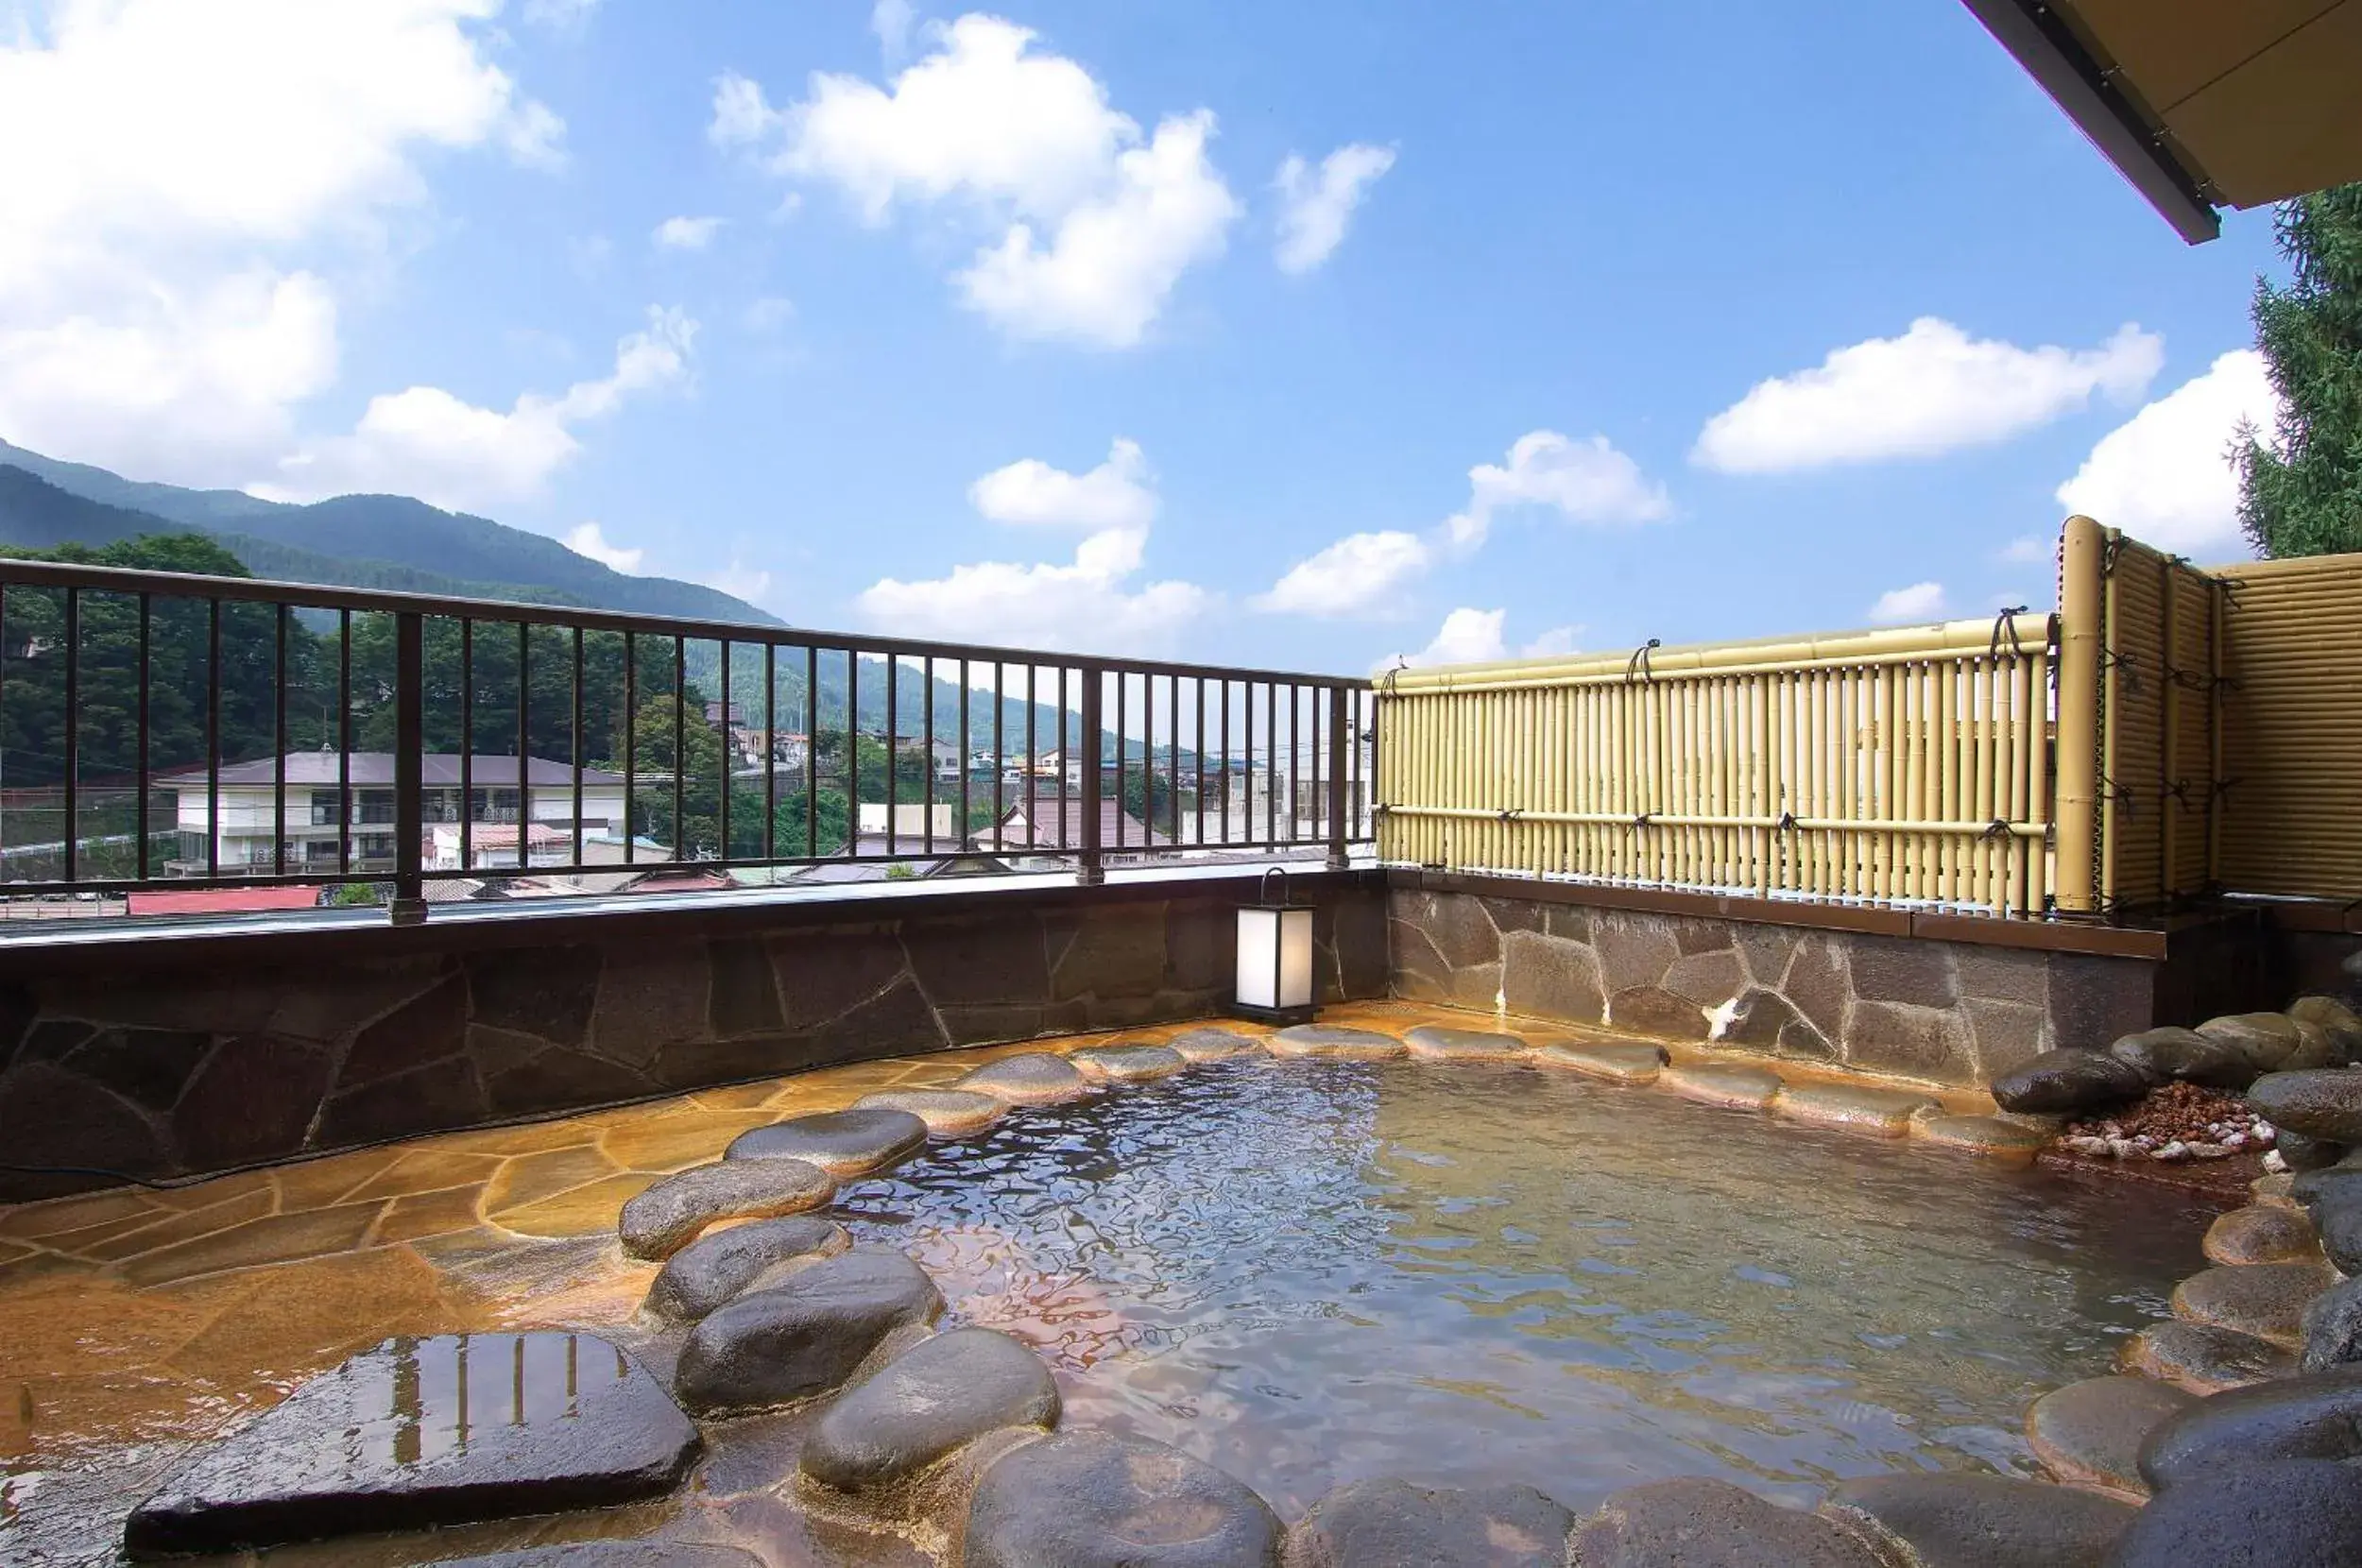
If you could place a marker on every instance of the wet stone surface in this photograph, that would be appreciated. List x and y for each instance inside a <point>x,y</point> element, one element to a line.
<point>804,1336</point>
<point>1619,1061</point>
<point>2303,1513</point>
<point>2203,1359</point>
<point>1740,1088</point>
<point>2325,1103</point>
<point>947,1113</point>
<point>1332,1040</point>
<point>939,1395</point>
<point>2183,1055</point>
<point>2332,1327</point>
<point>716,1270</point>
<point>843,1143</point>
<point>1037,1078</point>
<point>1436,1043</point>
<point>2267,1299</point>
<point>612,1554</point>
<point>2312,1416</point>
<point>1995,1138</point>
<point>1127,1063</point>
<point>420,1432</point>
<point>1092,1500</point>
<point>1703,1523</point>
<point>671,1214</point>
<point>1883,1113</point>
<point>2069,1079</point>
<point>2090,1433</point>
<point>1391,1523</point>
<point>1214,1045</point>
<point>1968,1520</point>
<point>2262,1234</point>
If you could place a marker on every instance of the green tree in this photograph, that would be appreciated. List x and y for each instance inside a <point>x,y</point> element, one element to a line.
<point>698,755</point>
<point>2302,493</point>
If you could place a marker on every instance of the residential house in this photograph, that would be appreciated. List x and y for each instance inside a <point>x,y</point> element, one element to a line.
<point>1051,818</point>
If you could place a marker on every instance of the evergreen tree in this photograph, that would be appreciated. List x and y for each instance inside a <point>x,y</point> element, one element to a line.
<point>2304,497</point>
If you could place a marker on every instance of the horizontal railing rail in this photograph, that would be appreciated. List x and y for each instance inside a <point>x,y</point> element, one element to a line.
<point>587,747</point>
<point>1909,766</point>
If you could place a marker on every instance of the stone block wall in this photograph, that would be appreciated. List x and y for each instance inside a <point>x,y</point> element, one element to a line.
<point>1946,1011</point>
<point>153,1066</point>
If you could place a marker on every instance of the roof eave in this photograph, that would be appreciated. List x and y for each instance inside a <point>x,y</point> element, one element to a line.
<point>2052,55</point>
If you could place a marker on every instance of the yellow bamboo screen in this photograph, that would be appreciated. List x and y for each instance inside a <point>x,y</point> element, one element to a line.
<point>2160,704</point>
<point>2293,728</point>
<point>1902,766</point>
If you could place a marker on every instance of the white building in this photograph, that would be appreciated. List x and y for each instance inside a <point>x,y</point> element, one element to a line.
<point>246,828</point>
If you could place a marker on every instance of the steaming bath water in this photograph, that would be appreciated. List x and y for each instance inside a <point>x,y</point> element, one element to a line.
<point>1312,1272</point>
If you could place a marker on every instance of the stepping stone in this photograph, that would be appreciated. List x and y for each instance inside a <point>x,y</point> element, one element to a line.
<point>939,1395</point>
<point>1696,1522</point>
<point>2301,1513</point>
<point>1127,1063</point>
<point>804,1336</point>
<point>1967,1521</point>
<point>1994,1137</point>
<point>2257,1234</point>
<point>2332,1327</point>
<point>1465,1045</point>
<point>1215,1044</point>
<point>1335,1040</point>
<point>721,1268</point>
<point>2203,1359</point>
<point>2267,1299</point>
<point>2277,1189</point>
<point>843,1143</point>
<point>1619,1061</point>
<point>1881,1113</point>
<point>2310,1416</point>
<point>1391,1523</point>
<point>668,1215</point>
<point>419,1434</point>
<point>1035,1078</point>
<point>1094,1500</point>
<point>947,1113</point>
<point>1741,1088</point>
<point>612,1554</point>
<point>2068,1080</point>
<point>2324,1104</point>
<point>2089,1434</point>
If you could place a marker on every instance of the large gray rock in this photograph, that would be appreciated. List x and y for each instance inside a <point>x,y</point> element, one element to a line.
<point>2304,1154</point>
<point>2268,1039</point>
<point>1093,1500</point>
<point>2338,1222</point>
<point>2203,1358</point>
<point>2336,1019</point>
<point>1127,1063</point>
<point>2311,1415</point>
<point>670,1215</point>
<point>2325,1103</point>
<point>2090,1433</point>
<point>1335,1040</point>
<point>1391,1523</point>
<point>804,1336</point>
<point>2072,1080</point>
<point>843,1143</point>
<point>718,1268</point>
<point>1035,1078</point>
<point>2301,1513</point>
<point>2185,1056</point>
<point>1964,1520</point>
<point>1465,1044</point>
<point>938,1396</point>
<point>2267,1299</point>
<point>419,1434</point>
<point>1694,1523</point>
<point>2333,1328</point>
<point>1215,1044</point>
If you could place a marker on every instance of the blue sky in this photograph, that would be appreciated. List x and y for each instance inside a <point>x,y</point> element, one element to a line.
<point>1573,324</point>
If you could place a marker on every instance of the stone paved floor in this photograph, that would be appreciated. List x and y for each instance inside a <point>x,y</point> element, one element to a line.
<point>133,1321</point>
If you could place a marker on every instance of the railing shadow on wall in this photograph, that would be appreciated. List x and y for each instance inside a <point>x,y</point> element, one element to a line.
<point>167,731</point>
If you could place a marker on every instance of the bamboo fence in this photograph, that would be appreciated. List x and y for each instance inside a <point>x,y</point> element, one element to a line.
<point>1904,766</point>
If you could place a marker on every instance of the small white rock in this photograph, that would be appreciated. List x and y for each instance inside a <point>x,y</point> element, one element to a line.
<point>2275,1162</point>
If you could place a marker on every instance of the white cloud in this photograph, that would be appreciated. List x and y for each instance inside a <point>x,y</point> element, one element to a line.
<point>1919,602</point>
<point>2028,550</point>
<point>180,183</point>
<point>425,442</point>
<point>1474,637</point>
<point>1586,481</point>
<point>892,21</point>
<point>685,234</point>
<point>1314,209</point>
<point>2165,476</point>
<point>1096,224</point>
<point>587,539</point>
<point>560,14</point>
<point>1092,601</point>
<point>1358,574</point>
<point>740,581</point>
<point>769,314</point>
<point>1116,494</point>
<point>1934,389</point>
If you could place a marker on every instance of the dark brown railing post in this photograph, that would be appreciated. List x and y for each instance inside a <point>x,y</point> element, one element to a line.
<point>1337,755</point>
<point>409,905</point>
<point>1091,870</point>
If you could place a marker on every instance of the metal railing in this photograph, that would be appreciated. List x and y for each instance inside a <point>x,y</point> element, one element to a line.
<point>246,701</point>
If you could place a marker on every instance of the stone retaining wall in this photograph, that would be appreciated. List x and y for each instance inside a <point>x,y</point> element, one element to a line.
<point>1946,1011</point>
<point>158,1065</point>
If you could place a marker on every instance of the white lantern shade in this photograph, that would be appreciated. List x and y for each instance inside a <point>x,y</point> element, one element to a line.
<point>1274,959</point>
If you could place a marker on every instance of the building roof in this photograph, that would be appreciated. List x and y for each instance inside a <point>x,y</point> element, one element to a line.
<point>2200,104</point>
<point>1058,822</point>
<point>375,770</point>
<point>224,900</point>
